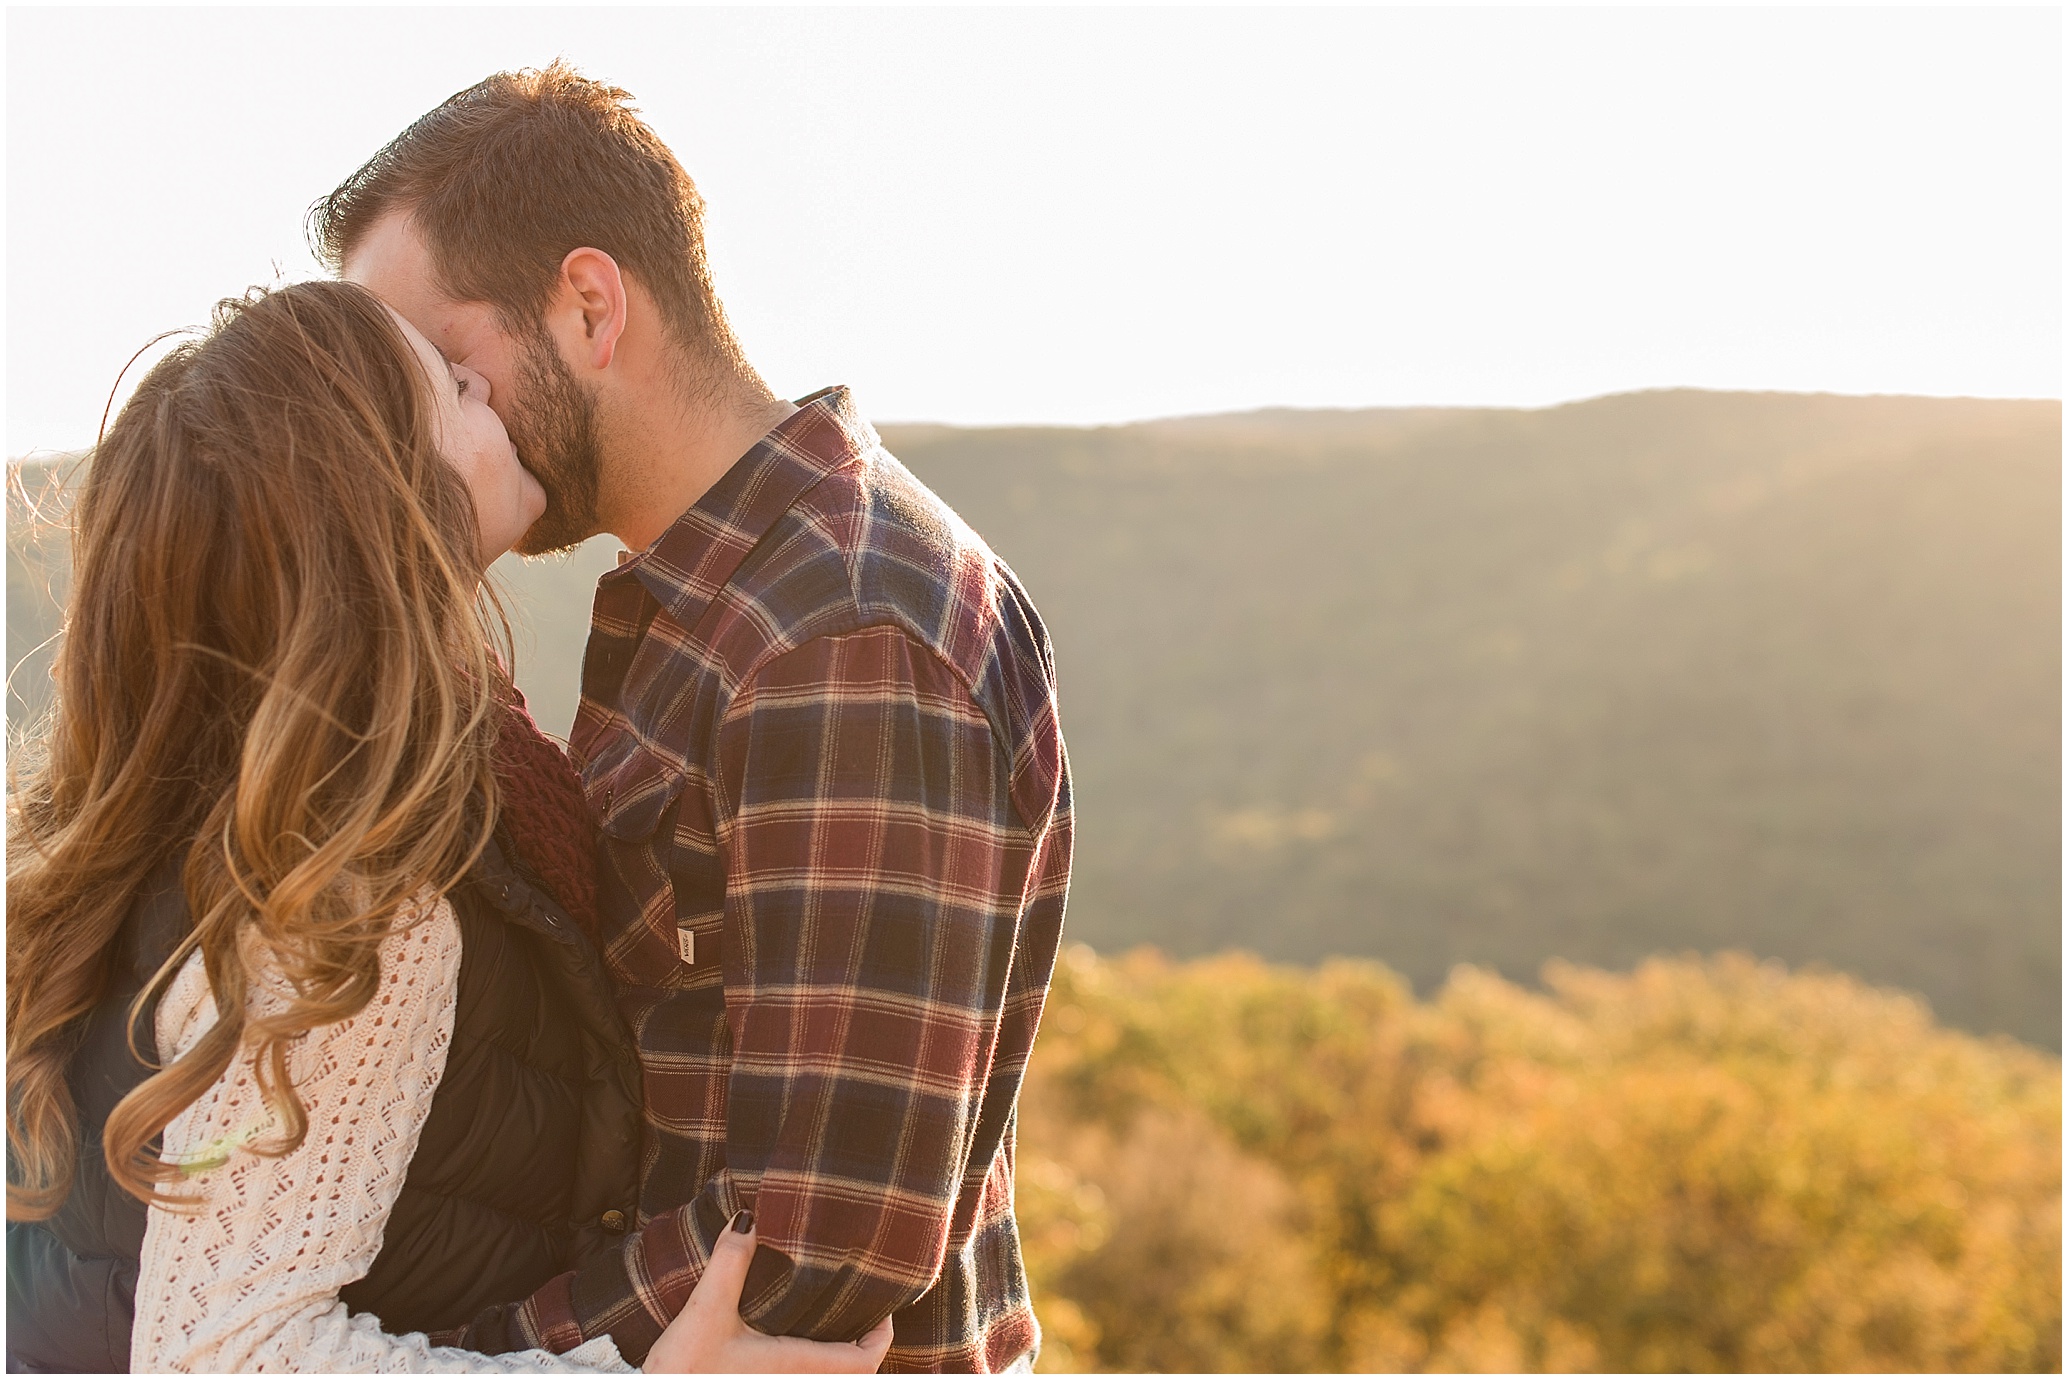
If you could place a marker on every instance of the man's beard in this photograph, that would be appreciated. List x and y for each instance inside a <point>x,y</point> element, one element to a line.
<point>552,423</point>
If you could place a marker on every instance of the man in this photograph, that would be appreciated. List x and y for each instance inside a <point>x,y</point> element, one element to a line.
<point>818,731</point>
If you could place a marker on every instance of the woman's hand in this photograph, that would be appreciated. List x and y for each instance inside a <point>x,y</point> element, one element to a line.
<point>709,1335</point>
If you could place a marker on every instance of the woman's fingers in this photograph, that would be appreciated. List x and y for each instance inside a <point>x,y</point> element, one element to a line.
<point>725,1274</point>
<point>876,1342</point>
<point>797,1356</point>
<point>709,1335</point>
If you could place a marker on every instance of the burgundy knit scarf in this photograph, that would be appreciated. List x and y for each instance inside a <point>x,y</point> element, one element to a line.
<point>547,816</point>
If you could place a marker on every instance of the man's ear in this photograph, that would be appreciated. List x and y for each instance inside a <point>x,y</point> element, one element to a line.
<point>592,307</point>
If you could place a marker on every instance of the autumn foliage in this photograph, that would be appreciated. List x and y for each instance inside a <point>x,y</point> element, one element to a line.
<point>1702,1165</point>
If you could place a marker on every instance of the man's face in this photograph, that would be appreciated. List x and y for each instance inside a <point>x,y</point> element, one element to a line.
<point>551,418</point>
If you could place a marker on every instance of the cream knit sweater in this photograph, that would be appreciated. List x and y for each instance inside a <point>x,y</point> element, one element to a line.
<point>247,1276</point>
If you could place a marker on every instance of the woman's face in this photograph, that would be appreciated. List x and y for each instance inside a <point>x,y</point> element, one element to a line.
<point>507,499</point>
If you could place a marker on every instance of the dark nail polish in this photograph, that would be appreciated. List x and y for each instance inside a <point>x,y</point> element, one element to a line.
<point>743,1221</point>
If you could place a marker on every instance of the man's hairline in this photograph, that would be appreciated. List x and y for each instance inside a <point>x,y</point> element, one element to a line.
<point>529,335</point>
<point>441,281</point>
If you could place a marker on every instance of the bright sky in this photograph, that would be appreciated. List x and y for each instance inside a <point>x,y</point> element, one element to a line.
<point>1082,215</point>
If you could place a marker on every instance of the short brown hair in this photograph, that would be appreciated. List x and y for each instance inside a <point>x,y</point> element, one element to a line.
<point>510,175</point>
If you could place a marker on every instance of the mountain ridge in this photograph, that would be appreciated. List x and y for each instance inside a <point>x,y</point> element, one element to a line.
<point>1664,670</point>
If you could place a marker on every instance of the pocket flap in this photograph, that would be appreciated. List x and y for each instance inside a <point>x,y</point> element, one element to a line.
<point>630,789</point>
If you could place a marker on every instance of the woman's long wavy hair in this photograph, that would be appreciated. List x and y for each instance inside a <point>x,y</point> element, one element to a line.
<point>277,659</point>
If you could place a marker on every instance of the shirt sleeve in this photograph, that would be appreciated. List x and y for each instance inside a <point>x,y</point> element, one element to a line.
<point>875,873</point>
<point>245,1275</point>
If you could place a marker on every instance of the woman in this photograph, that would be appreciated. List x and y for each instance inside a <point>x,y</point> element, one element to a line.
<point>309,1047</point>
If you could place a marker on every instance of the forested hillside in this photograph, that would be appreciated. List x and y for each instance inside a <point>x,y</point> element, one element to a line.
<point>1656,672</point>
<point>1698,1166</point>
<point>1651,673</point>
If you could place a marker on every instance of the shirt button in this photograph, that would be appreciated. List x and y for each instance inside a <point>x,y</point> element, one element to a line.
<point>613,1221</point>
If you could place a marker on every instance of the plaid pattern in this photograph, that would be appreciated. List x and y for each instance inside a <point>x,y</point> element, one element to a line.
<point>818,730</point>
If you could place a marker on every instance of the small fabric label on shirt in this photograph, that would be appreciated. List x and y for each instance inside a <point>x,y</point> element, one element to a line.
<point>686,945</point>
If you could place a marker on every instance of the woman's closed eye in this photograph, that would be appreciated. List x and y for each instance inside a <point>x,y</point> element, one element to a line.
<point>467,383</point>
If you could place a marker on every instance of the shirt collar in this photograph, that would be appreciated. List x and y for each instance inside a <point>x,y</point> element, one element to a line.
<point>690,562</point>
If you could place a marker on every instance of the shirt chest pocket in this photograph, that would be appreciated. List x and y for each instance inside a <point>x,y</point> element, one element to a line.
<point>650,851</point>
<point>631,789</point>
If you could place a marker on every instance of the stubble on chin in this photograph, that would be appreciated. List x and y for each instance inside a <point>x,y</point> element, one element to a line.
<point>537,543</point>
<point>553,533</point>
<point>554,432</point>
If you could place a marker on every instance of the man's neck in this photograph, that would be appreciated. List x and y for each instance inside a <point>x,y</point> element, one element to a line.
<point>670,457</point>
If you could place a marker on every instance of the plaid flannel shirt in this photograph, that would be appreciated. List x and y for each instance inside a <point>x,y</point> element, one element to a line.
<point>818,730</point>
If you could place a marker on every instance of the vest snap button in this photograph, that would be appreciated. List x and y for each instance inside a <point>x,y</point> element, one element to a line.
<point>613,1221</point>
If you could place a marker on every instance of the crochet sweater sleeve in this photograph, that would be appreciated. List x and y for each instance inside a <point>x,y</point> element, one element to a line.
<point>245,1276</point>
